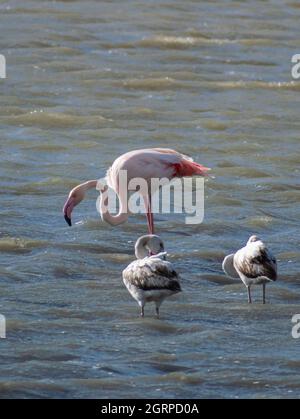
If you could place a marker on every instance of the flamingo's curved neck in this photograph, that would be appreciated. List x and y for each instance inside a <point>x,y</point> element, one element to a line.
<point>106,216</point>
<point>89,185</point>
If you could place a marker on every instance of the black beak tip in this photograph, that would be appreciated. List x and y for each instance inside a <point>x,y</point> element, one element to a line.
<point>68,221</point>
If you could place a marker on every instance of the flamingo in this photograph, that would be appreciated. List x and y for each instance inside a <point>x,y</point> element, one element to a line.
<point>146,164</point>
<point>253,264</point>
<point>150,277</point>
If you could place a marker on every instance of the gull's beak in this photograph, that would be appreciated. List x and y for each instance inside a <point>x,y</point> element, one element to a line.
<point>68,208</point>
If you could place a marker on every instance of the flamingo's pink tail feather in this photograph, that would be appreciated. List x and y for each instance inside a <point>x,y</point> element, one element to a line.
<point>189,168</point>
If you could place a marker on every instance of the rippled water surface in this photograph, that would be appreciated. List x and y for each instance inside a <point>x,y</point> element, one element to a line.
<point>89,80</point>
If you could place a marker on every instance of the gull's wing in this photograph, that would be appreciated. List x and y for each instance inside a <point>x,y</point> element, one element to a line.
<point>152,273</point>
<point>256,261</point>
<point>228,267</point>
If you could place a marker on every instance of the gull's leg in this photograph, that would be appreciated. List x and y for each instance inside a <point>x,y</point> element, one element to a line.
<point>249,294</point>
<point>141,303</point>
<point>157,307</point>
<point>264,293</point>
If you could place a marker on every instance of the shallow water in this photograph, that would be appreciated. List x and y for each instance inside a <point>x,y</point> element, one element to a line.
<point>90,80</point>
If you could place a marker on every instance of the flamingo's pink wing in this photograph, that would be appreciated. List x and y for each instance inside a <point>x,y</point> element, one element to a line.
<point>154,163</point>
<point>189,168</point>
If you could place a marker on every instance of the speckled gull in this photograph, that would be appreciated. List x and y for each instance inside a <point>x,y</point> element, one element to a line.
<point>254,264</point>
<point>150,277</point>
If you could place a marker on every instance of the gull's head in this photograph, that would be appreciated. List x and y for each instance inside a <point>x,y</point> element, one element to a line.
<point>253,239</point>
<point>148,245</point>
<point>155,245</point>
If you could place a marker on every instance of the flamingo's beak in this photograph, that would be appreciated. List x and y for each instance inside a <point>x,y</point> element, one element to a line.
<point>68,208</point>
<point>68,220</point>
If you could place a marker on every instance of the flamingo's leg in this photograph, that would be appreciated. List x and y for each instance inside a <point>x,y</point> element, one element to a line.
<point>149,214</point>
<point>149,222</point>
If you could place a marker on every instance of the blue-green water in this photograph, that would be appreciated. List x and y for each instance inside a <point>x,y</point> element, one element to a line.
<point>89,80</point>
